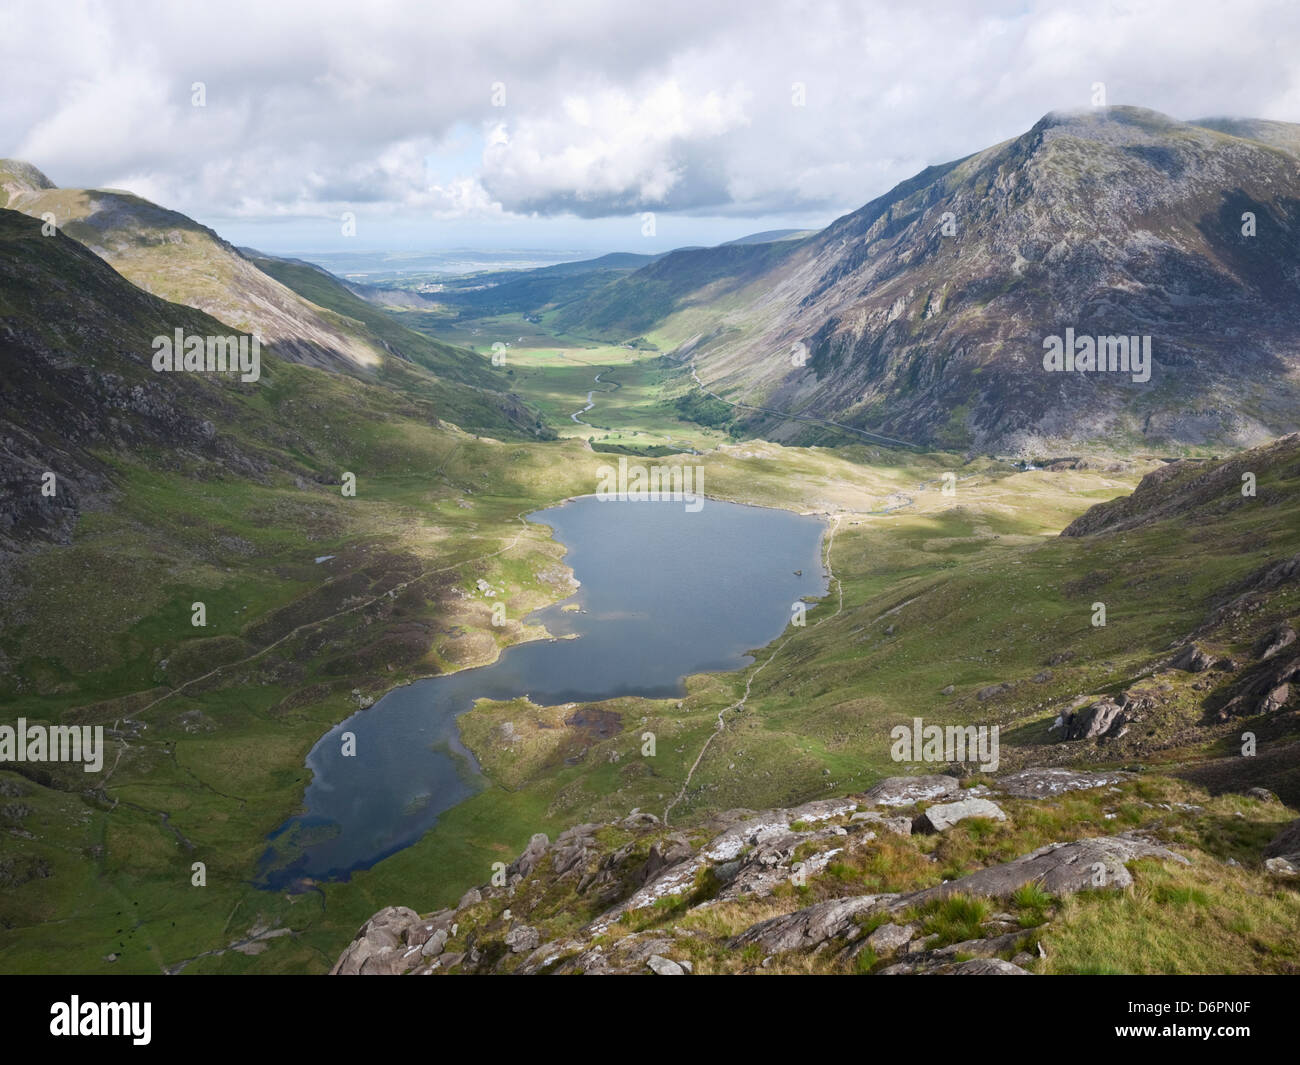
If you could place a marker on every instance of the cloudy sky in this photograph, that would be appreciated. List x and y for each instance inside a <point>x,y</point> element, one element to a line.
<point>558,124</point>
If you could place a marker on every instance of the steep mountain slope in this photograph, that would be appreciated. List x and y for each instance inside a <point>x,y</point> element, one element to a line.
<point>172,256</point>
<point>679,281</point>
<point>924,313</point>
<point>327,291</point>
<point>80,395</point>
<point>75,345</point>
<point>464,391</point>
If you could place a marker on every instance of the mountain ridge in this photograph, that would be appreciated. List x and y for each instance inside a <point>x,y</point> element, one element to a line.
<point>172,256</point>
<point>1119,221</point>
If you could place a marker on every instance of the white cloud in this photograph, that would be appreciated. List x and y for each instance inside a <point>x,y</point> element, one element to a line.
<point>679,106</point>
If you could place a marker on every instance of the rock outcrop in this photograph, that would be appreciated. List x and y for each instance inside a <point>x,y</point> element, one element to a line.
<point>765,860</point>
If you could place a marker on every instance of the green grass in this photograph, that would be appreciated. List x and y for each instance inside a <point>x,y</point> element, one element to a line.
<point>976,587</point>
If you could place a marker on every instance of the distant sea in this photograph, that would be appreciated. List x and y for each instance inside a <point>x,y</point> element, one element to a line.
<point>386,265</point>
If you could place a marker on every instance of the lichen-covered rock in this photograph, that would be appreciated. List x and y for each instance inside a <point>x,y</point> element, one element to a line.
<point>522,938</point>
<point>381,947</point>
<point>905,791</point>
<point>944,815</point>
<point>985,967</point>
<point>1058,868</point>
<point>1048,782</point>
<point>808,927</point>
<point>890,938</point>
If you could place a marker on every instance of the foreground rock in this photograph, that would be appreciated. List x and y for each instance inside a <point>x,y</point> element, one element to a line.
<point>986,967</point>
<point>1058,868</point>
<point>945,815</point>
<point>750,856</point>
<point>741,855</point>
<point>389,943</point>
<point>811,926</point>
<point>1047,783</point>
<point>1282,855</point>
<point>905,791</point>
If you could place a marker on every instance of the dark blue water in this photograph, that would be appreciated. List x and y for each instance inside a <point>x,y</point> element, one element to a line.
<point>664,593</point>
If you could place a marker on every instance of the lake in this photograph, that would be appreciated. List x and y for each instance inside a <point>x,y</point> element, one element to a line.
<point>664,593</point>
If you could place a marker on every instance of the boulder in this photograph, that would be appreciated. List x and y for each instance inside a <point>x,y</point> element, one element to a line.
<point>522,938</point>
<point>986,967</point>
<point>527,862</point>
<point>1285,868</point>
<point>945,815</point>
<point>1269,645</point>
<point>1275,698</point>
<point>1265,692</point>
<point>1102,718</point>
<point>1192,660</point>
<point>808,927</point>
<point>661,966</point>
<point>1058,868</point>
<point>1046,783</point>
<point>889,939</point>
<point>380,946</point>
<point>905,791</point>
<point>433,946</point>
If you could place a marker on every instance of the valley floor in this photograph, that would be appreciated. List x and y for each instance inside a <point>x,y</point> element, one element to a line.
<point>954,600</point>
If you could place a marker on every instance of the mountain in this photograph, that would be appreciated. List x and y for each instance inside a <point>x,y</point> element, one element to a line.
<point>924,314</point>
<point>679,286</point>
<point>81,399</point>
<point>510,291</point>
<point>769,235</point>
<point>75,343</point>
<point>173,257</point>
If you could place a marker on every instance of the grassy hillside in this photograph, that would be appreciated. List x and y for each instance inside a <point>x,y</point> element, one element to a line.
<point>172,256</point>
<point>635,304</point>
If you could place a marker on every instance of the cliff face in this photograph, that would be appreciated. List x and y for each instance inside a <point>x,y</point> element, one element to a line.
<point>923,315</point>
<point>75,350</point>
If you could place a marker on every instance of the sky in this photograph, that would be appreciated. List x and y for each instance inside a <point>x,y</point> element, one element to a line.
<point>345,127</point>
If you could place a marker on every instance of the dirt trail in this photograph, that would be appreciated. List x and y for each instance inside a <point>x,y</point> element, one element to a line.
<point>308,625</point>
<point>749,682</point>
